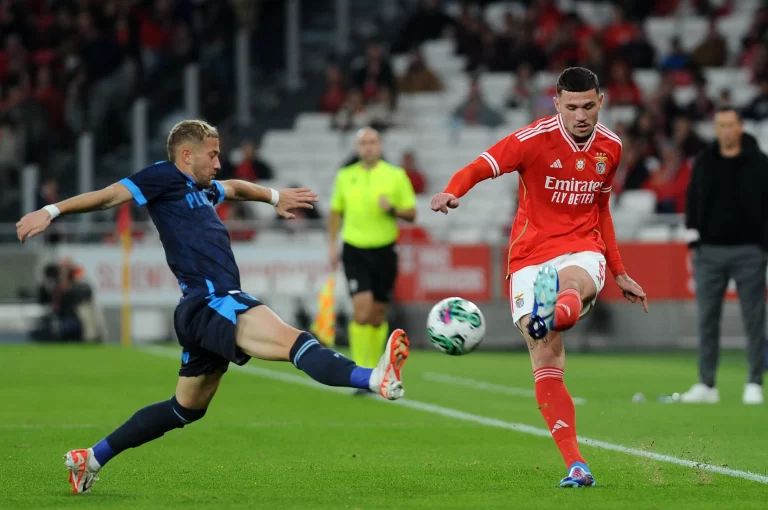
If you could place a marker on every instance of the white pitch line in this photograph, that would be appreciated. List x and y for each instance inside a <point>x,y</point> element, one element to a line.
<point>486,386</point>
<point>302,380</point>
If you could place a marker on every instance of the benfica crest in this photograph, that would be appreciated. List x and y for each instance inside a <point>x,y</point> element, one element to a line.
<point>600,165</point>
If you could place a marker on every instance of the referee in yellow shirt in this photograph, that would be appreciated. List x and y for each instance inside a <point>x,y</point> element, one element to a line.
<point>368,198</point>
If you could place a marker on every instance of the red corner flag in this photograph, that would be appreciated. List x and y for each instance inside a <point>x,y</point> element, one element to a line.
<point>124,230</point>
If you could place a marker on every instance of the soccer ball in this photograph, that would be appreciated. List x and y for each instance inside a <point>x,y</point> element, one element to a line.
<point>455,326</point>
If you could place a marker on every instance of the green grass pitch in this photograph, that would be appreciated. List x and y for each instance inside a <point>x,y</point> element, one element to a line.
<point>268,442</point>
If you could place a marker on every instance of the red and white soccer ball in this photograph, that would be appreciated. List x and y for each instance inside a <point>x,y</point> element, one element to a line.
<point>455,326</point>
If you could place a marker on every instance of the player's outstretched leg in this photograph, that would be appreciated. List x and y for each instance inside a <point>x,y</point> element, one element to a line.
<point>262,334</point>
<point>189,404</point>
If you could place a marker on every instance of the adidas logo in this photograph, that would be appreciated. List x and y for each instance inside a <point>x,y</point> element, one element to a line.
<point>556,164</point>
<point>560,424</point>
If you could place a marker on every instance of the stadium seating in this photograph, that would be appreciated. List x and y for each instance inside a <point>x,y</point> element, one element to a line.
<point>442,147</point>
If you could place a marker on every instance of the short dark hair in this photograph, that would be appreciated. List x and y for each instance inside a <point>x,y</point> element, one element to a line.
<point>729,108</point>
<point>577,79</point>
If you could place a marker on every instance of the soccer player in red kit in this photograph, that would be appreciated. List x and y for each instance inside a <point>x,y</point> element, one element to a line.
<point>561,240</point>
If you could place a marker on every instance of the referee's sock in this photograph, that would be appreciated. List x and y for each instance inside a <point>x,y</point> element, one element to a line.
<point>327,366</point>
<point>378,339</point>
<point>360,343</point>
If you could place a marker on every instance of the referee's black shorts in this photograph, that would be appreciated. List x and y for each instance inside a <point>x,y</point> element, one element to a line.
<point>371,269</point>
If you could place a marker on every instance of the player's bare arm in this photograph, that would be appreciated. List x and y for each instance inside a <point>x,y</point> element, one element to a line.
<point>287,199</point>
<point>37,222</point>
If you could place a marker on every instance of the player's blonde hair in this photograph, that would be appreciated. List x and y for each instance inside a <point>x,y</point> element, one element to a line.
<point>189,131</point>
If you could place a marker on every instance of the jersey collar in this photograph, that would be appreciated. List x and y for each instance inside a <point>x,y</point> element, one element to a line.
<point>577,147</point>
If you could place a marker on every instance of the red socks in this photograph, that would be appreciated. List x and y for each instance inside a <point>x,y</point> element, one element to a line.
<point>567,309</point>
<point>557,408</point>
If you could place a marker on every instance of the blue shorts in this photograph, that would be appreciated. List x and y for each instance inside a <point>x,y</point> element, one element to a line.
<point>206,328</point>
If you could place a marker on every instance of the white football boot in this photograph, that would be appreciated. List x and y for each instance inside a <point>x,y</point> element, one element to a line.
<point>386,378</point>
<point>83,469</point>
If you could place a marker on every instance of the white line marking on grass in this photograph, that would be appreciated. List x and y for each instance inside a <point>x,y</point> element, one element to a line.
<point>486,386</point>
<point>303,380</point>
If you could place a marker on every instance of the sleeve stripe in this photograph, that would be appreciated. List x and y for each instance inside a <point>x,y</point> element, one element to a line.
<point>491,161</point>
<point>138,196</point>
<point>222,193</point>
<point>606,190</point>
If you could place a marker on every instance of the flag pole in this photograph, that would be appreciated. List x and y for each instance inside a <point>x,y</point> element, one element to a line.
<point>124,227</point>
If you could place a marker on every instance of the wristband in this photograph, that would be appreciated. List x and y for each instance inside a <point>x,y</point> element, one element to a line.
<point>392,211</point>
<point>52,210</point>
<point>275,196</point>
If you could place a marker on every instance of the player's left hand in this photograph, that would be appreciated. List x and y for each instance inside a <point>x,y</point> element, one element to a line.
<point>32,224</point>
<point>295,198</point>
<point>631,290</point>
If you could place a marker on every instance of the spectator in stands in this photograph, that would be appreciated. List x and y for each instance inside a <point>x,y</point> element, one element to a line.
<point>380,114</point>
<point>335,91</point>
<point>622,90</point>
<point>638,52</point>
<point>428,23</point>
<point>351,115</point>
<point>28,116</point>
<point>713,50</point>
<point>687,141</point>
<point>702,107</point>
<point>726,208</point>
<point>417,177</point>
<point>253,168</point>
<point>632,172</point>
<point>48,194</point>
<point>523,92</point>
<point>669,181</point>
<point>595,59</point>
<point>491,55</point>
<point>11,146</point>
<point>525,49</point>
<point>758,107</point>
<point>418,77</point>
<point>678,59</point>
<point>620,32</point>
<point>474,111</point>
<point>373,72</point>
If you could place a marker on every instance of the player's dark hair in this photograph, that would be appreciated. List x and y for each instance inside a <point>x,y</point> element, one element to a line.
<point>577,79</point>
<point>728,108</point>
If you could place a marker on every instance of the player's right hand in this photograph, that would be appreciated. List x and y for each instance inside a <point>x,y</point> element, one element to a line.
<point>32,224</point>
<point>295,198</point>
<point>444,201</point>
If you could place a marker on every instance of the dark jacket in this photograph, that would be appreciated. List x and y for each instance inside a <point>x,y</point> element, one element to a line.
<point>752,198</point>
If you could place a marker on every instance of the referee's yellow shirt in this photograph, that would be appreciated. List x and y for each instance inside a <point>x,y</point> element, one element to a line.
<point>356,193</point>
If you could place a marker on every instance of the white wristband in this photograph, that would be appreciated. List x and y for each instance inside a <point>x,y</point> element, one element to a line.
<point>275,196</point>
<point>52,210</point>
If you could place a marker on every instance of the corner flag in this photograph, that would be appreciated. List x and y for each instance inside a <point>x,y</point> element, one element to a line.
<point>324,326</point>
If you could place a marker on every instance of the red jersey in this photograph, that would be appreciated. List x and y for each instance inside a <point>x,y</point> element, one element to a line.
<point>563,193</point>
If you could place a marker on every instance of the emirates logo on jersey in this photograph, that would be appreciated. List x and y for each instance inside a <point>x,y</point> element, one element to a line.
<point>572,191</point>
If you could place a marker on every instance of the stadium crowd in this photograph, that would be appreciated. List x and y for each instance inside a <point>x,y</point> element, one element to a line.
<point>658,145</point>
<point>71,65</point>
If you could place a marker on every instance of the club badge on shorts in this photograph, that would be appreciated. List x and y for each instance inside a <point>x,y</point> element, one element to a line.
<point>580,164</point>
<point>519,301</point>
<point>600,165</point>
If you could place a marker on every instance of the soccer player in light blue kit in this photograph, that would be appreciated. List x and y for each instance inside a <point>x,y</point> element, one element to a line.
<point>215,321</point>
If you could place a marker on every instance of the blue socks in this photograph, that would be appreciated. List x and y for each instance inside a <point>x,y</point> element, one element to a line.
<point>327,366</point>
<point>145,425</point>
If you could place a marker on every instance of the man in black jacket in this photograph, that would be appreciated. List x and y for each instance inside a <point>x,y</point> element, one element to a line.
<point>728,206</point>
